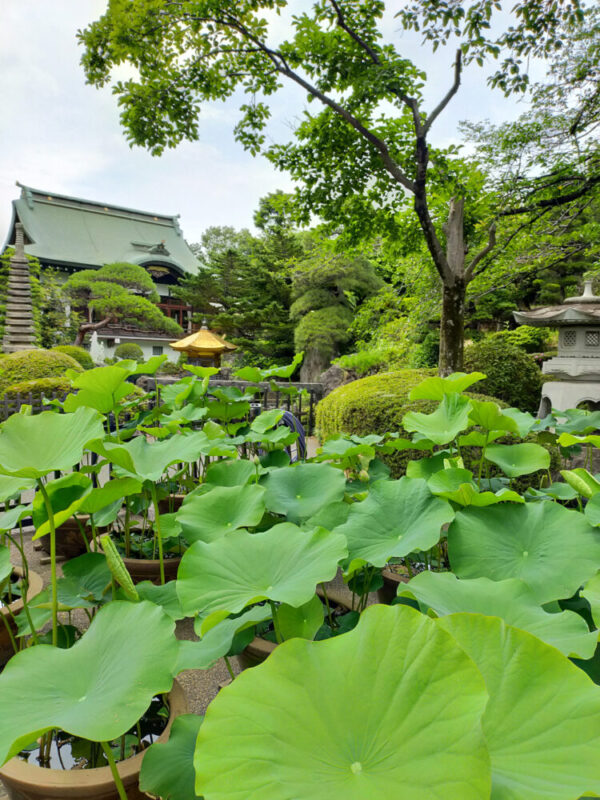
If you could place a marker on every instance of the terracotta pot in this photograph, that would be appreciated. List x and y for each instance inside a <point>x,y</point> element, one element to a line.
<point>24,781</point>
<point>69,542</point>
<point>148,569</point>
<point>173,504</point>
<point>35,586</point>
<point>389,590</point>
<point>258,649</point>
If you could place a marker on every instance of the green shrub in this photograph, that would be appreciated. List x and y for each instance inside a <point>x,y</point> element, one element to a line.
<point>512,375</point>
<point>80,354</point>
<point>527,337</point>
<point>369,362</point>
<point>129,350</point>
<point>427,353</point>
<point>27,365</point>
<point>47,387</point>
<point>169,368</point>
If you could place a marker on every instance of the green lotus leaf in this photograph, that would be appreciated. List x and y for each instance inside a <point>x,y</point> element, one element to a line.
<point>11,518</point>
<point>578,420</point>
<point>9,487</point>
<point>151,366</point>
<point>556,491</point>
<point>189,413</point>
<point>66,495</point>
<point>267,420</point>
<point>90,574</point>
<point>396,518</point>
<point>479,439</point>
<point>113,490</point>
<point>283,564</point>
<point>33,446</point>
<point>164,595</point>
<point>217,640</point>
<point>541,722</point>
<point>208,516</point>
<point>445,423</point>
<point>227,411</point>
<point>344,449</point>
<point>329,517</point>
<point>592,511</point>
<point>591,592</point>
<point>550,548</point>
<point>568,440</point>
<point>5,565</point>
<point>582,481</point>
<point>168,767</point>
<point>518,459</point>
<point>523,419</point>
<point>251,374</point>
<point>391,709</point>
<point>426,467</point>
<point>287,370</point>
<point>230,473</point>
<point>98,688</point>
<point>282,435</point>
<point>301,490</point>
<point>449,480</point>
<point>489,416</point>
<point>436,388</point>
<point>101,388</point>
<point>302,622</point>
<point>511,600</point>
<point>457,485</point>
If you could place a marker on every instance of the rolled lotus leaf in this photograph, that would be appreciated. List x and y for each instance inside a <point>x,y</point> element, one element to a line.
<point>511,600</point>
<point>283,564</point>
<point>96,689</point>
<point>551,549</point>
<point>541,722</point>
<point>391,709</point>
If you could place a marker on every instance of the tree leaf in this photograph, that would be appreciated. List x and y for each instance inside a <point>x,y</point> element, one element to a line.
<point>168,767</point>
<point>300,491</point>
<point>518,459</point>
<point>355,714</point>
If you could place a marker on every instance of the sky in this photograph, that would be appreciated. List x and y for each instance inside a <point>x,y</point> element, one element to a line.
<point>62,136</point>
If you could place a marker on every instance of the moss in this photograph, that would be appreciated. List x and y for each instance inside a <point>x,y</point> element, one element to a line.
<point>129,350</point>
<point>80,354</point>
<point>512,375</point>
<point>34,364</point>
<point>47,387</point>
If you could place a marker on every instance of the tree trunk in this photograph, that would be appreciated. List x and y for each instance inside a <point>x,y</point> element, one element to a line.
<point>90,326</point>
<point>452,327</point>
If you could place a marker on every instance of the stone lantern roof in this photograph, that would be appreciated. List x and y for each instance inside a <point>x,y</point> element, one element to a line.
<point>582,310</point>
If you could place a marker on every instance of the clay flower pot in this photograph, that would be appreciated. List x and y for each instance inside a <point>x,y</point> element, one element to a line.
<point>166,506</point>
<point>148,569</point>
<point>389,590</point>
<point>69,541</point>
<point>24,781</point>
<point>35,587</point>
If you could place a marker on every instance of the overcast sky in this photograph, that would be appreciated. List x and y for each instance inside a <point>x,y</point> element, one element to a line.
<point>59,135</point>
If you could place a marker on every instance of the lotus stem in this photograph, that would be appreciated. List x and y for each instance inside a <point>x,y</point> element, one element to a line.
<point>50,514</point>
<point>327,606</point>
<point>229,668</point>
<point>278,635</point>
<point>157,533</point>
<point>8,630</point>
<point>115,772</point>
<point>127,531</point>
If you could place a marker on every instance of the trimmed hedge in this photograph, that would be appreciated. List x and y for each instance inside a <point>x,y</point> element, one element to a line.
<point>27,365</point>
<point>38,388</point>
<point>80,354</point>
<point>512,375</point>
<point>129,350</point>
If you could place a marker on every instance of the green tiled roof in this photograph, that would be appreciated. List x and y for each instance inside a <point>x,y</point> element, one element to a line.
<point>76,233</point>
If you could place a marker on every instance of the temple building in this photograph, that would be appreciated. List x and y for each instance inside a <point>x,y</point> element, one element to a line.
<point>70,234</point>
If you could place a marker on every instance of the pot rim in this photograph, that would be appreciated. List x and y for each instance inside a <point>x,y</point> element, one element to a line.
<point>36,584</point>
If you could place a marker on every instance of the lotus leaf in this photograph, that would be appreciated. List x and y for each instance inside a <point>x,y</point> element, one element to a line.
<point>283,564</point>
<point>445,423</point>
<point>541,722</point>
<point>511,600</point>
<point>168,767</point>
<point>300,491</point>
<point>11,518</point>
<point>426,467</point>
<point>208,516</point>
<point>267,420</point>
<point>489,416</point>
<point>164,595</point>
<point>591,592</point>
<point>90,574</point>
<point>523,419</point>
<point>230,473</point>
<point>436,388</point>
<point>151,366</point>
<point>9,487</point>
<point>31,447</point>
<point>556,491</point>
<point>113,490</point>
<point>396,518</point>
<point>391,709</point>
<point>98,688</point>
<point>5,565</point>
<point>518,459</point>
<point>458,485</point>
<point>66,495</point>
<point>303,621</point>
<point>550,548</point>
<point>101,388</point>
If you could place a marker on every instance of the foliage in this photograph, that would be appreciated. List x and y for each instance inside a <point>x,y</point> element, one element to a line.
<point>27,365</point>
<point>512,375</point>
<point>80,354</point>
<point>530,339</point>
<point>37,388</point>
<point>129,350</point>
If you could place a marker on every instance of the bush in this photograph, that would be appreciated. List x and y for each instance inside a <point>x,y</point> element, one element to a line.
<point>47,387</point>
<point>427,353</point>
<point>369,362</point>
<point>512,375</point>
<point>527,337</point>
<point>169,368</point>
<point>80,354</point>
<point>27,365</point>
<point>129,350</point>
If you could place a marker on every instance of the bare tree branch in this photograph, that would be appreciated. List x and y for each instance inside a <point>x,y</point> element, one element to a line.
<point>482,253</point>
<point>449,94</point>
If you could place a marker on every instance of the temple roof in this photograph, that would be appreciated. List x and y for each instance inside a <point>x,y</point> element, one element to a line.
<point>203,342</point>
<point>81,234</point>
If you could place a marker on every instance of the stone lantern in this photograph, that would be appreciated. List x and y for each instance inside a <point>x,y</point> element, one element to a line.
<point>577,364</point>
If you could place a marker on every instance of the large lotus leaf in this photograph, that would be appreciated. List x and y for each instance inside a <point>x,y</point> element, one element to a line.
<point>523,419</point>
<point>303,621</point>
<point>9,487</point>
<point>568,440</point>
<point>148,460</point>
<point>541,722</point>
<point>458,485</point>
<point>283,564</point>
<point>101,388</point>
<point>33,446</point>
<point>189,413</point>
<point>390,709</point>
<point>66,495</point>
<point>556,491</point>
<point>90,573</point>
<point>445,423</point>
<point>436,388</point>
<point>300,491</point>
<point>151,366</point>
<point>267,420</point>
<point>489,416</point>
<point>224,508</point>
<point>591,592</point>
<point>163,595</point>
<point>168,767</point>
<point>592,510</point>
<point>426,467</point>
<point>98,688</point>
<point>113,490</point>
<point>518,459</point>
<point>396,518</point>
<point>11,518</point>
<point>511,600</point>
<point>230,473</point>
<point>582,481</point>
<point>550,548</point>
